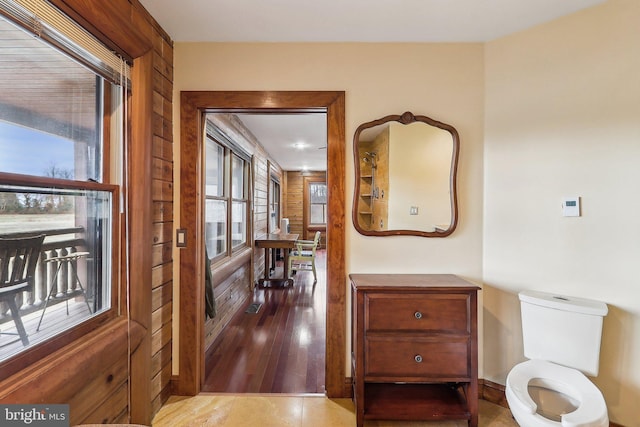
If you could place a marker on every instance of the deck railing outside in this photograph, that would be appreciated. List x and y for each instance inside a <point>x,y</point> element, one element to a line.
<point>58,242</point>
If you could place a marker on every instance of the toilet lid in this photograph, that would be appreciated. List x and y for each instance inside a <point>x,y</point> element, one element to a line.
<point>592,409</point>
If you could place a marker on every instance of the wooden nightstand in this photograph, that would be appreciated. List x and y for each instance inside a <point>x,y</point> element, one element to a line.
<point>414,347</point>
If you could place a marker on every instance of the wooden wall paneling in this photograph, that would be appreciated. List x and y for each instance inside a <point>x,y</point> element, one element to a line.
<point>192,106</point>
<point>84,374</point>
<point>162,211</point>
<point>161,367</point>
<point>159,379</point>
<point>163,226</point>
<point>260,209</point>
<point>112,410</point>
<point>231,296</point>
<point>141,252</point>
<point>161,275</point>
<point>162,148</point>
<point>231,290</point>
<point>99,390</point>
<point>294,192</point>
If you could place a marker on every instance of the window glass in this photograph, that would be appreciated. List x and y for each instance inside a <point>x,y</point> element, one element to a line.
<point>215,169</point>
<point>274,206</point>
<point>73,272</point>
<point>237,183</point>
<point>215,227</point>
<point>318,203</point>
<point>239,225</point>
<point>49,105</point>
<point>52,115</point>
<point>239,206</point>
<point>226,203</point>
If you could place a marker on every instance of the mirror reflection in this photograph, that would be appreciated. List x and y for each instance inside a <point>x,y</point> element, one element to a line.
<point>405,177</point>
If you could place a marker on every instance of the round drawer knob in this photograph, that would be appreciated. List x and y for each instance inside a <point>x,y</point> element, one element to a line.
<point>418,315</point>
<point>418,358</point>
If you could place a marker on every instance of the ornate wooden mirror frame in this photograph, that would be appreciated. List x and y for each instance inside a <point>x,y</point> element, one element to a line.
<point>372,206</point>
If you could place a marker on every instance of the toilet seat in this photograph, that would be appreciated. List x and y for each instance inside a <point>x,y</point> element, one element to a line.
<point>592,409</point>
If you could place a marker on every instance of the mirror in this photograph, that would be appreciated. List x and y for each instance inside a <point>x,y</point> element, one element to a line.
<point>405,177</point>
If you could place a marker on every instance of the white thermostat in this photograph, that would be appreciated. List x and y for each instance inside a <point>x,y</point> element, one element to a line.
<point>571,206</point>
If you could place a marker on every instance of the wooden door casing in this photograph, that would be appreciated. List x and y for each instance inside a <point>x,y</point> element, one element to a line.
<point>193,105</point>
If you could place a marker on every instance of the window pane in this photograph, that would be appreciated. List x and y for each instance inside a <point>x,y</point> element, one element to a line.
<point>318,193</point>
<point>237,180</point>
<point>238,223</point>
<point>50,105</point>
<point>274,206</point>
<point>77,225</point>
<point>318,214</point>
<point>214,169</point>
<point>318,202</point>
<point>215,232</point>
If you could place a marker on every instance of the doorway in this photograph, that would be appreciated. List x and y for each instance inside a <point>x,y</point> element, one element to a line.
<point>193,107</point>
<point>267,338</point>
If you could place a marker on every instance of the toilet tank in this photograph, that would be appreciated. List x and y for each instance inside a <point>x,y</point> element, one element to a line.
<point>561,329</point>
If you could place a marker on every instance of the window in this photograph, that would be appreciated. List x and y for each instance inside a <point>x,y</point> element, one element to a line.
<point>60,122</point>
<point>274,205</point>
<point>239,202</point>
<point>318,203</point>
<point>215,202</point>
<point>226,198</point>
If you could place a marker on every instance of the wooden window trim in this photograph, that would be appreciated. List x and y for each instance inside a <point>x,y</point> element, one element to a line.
<point>39,351</point>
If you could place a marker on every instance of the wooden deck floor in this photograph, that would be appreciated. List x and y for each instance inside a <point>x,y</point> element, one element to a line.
<point>279,349</point>
<point>55,320</point>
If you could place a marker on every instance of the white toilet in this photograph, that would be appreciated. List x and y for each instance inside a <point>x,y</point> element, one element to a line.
<point>561,338</point>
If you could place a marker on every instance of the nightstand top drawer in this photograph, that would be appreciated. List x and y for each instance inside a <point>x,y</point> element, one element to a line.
<point>441,313</point>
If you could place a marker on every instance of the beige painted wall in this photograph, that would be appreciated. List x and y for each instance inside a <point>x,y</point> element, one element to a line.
<point>562,107</point>
<point>563,119</point>
<point>443,81</point>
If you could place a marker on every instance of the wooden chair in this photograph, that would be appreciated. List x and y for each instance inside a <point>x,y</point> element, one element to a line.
<point>18,259</point>
<point>303,256</point>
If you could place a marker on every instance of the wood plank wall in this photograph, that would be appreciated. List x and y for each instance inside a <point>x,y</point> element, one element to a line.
<point>162,196</point>
<point>91,373</point>
<point>231,291</point>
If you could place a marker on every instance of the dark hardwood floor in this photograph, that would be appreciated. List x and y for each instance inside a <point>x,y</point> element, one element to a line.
<point>279,349</point>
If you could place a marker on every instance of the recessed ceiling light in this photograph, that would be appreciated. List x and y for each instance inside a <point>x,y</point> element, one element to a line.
<point>299,145</point>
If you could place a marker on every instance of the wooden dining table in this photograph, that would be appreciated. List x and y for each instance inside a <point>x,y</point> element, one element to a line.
<point>270,242</point>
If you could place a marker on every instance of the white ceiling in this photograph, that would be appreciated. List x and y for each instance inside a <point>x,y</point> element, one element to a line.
<point>343,21</point>
<point>354,20</point>
<point>294,141</point>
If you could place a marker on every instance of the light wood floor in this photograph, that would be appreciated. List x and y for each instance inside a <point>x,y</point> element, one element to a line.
<point>225,410</point>
<point>279,349</point>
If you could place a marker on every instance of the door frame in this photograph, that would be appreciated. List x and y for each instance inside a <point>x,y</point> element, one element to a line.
<point>193,106</point>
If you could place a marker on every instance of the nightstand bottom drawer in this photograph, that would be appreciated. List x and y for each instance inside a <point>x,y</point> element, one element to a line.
<point>411,357</point>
